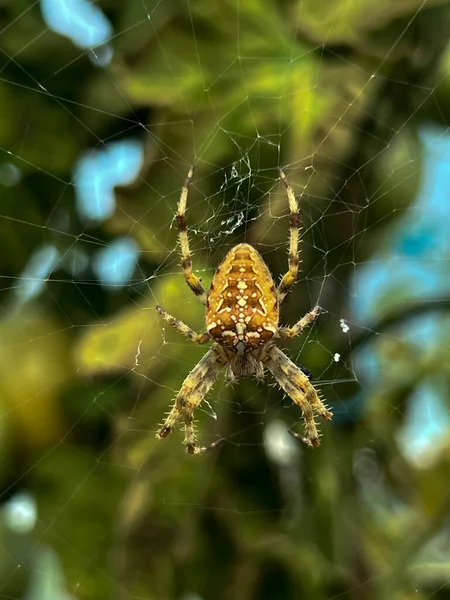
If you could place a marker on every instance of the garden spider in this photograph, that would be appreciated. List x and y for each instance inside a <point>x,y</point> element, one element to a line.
<point>242,313</point>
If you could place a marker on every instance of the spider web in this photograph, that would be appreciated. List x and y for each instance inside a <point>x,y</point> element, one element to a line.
<point>105,107</point>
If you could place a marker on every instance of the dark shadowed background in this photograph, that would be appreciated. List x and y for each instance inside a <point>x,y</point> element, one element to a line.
<point>103,107</point>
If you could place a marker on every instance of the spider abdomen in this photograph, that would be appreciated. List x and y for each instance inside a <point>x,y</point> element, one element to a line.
<point>242,305</point>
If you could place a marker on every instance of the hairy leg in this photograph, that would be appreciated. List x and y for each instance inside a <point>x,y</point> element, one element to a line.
<point>285,333</point>
<point>186,260</point>
<point>194,388</point>
<point>290,277</point>
<point>198,338</point>
<point>296,384</point>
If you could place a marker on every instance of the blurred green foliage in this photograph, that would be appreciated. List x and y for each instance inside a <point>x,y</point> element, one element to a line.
<point>86,372</point>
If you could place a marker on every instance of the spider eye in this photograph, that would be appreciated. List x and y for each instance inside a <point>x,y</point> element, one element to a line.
<point>306,371</point>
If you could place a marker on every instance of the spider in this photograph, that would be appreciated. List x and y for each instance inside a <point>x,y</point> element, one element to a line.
<point>242,314</point>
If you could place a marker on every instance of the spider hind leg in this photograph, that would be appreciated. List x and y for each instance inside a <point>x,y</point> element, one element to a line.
<point>191,441</point>
<point>297,386</point>
<point>194,388</point>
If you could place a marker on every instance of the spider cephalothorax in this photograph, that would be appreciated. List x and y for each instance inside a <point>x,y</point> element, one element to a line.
<point>242,314</point>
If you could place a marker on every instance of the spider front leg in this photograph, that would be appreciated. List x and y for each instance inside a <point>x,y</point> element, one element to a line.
<point>290,277</point>
<point>194,388</point>
<point>286,333</point>
<point>198,338</point>
<point>186,260</point>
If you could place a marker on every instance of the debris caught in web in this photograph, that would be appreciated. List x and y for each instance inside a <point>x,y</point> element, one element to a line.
<point>345,328</point>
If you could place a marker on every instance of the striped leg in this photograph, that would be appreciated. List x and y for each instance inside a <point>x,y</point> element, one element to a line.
<point>294,221</point>
<point>297,386</point>
<point>198,338</point>
<point>194,388</point>
<point>186,260</point>
<point>285,333</point>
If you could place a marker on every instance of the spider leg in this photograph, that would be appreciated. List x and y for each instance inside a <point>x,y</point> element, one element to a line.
<point>296,384</point>
<point>290,277</point>
<point>190,439</point>
<point>186,260</point>
<point>194,388</point>
<point>285,333</point>
<point>198,338</point>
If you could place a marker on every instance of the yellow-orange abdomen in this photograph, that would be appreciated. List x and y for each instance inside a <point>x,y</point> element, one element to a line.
<point>242,306</point>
